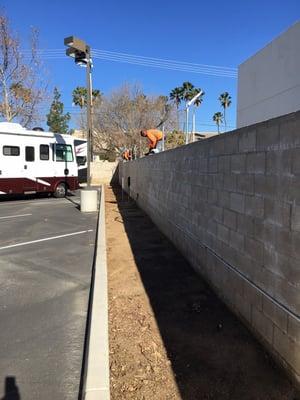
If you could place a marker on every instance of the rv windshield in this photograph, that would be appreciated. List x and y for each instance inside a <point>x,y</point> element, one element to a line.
<point>64,152</point>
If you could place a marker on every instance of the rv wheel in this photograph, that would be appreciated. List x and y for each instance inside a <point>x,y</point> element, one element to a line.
<point>60,191</point>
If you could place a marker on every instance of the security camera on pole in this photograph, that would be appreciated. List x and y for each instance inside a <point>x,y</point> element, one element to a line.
<point>187,107</point>
<point>81,53</point>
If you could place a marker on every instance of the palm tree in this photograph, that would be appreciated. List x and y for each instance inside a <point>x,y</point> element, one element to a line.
<point>199,100</point>
<point>187,94</point>
<point>218,119</point>
<point>79,96</point>
<point>176,96</point>
<point>187,91</point>
<point>225,100</point>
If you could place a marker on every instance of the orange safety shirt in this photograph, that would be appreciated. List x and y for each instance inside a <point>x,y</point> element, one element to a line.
<point>126,155</point>
<point>153,136</point>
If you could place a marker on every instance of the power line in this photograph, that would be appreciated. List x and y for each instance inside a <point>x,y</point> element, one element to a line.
<point>161,59</point>
<point>166,66</point>
<point>212,70</point>
<point>78,113</point>
<point>61,51</point>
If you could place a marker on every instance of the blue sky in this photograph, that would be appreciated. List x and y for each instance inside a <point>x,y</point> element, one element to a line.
<point>205,32</point>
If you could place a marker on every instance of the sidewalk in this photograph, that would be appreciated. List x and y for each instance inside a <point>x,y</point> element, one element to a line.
<point>170,336</point>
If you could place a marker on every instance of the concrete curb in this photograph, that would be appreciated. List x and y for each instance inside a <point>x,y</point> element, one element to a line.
<point>96,382</point>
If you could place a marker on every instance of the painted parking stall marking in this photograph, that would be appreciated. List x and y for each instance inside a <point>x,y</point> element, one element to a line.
<point>15,216</point>
<point>45,239</point>
<point>34,202</point>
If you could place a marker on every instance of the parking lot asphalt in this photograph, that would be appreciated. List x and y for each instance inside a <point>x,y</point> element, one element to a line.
<point>46,256</point>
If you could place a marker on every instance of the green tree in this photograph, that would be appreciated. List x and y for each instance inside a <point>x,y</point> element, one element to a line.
<point>56,119</point>
<point>174,139</point>
<point>225,100</point>
<point>218,119</point>
<point>79,96</point>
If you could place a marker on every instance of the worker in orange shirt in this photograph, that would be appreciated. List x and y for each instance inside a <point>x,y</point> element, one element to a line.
<point>126,155</point>
<point>154,136</point>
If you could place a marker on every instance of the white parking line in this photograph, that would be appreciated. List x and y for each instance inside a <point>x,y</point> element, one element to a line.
<point>15,216</point>
<point>16,203</point>
<point>45,239</point>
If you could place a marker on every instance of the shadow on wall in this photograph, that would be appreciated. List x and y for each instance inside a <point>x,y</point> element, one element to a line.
<point>11,390</point>
<point>212,354</point>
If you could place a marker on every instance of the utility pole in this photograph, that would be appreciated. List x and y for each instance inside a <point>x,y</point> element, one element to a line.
<point>81,53</point>
<point>89,118</point>
<point>194,125</point>
<point>186,124</point>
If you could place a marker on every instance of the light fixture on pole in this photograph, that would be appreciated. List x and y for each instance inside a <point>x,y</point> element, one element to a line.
<point>188,105</point>
<point>81,53</point>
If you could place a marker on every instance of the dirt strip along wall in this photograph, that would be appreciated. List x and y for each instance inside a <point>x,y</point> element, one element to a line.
<point>231,204</point>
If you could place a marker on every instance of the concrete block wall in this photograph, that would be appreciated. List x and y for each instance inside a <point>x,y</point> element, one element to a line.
<point>231,204</point>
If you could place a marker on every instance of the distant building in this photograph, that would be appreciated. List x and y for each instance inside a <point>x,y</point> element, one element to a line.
<point>269,82</point>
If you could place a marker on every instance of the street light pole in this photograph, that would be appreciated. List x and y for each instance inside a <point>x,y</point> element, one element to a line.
<point>194,125</point>
<point>186,124</point>
<point>81,53</point>
<point>188,105</point>
<point>89,114</point>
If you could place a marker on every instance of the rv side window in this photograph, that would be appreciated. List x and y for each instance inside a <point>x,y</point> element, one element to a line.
<point>44,152</point>
<point>29,153</point>
<point>64,152</point>
<point>11,151</point>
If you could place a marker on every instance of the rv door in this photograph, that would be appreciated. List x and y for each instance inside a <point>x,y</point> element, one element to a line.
<point>11,164</point>
<point>30,170</point>
<point>63,159</point>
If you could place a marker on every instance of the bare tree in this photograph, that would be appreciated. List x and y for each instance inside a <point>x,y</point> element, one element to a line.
<point>119,118</point>
<point>21,85</point>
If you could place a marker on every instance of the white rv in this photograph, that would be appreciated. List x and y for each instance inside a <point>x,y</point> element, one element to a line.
<point>32,161</point>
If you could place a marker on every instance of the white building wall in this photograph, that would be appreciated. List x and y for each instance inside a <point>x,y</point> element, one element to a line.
<point>269,82</point>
